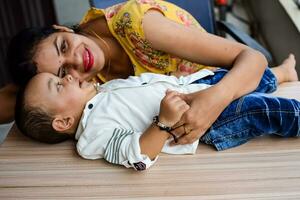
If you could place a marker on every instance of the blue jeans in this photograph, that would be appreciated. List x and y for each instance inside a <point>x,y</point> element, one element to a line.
<point>254,115</point>
<point>267,84</point>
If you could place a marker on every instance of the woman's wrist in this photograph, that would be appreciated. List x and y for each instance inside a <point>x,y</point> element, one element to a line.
<point>227,92</point>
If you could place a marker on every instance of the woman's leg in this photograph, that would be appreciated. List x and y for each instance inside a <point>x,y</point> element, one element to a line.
<point>251,116</point>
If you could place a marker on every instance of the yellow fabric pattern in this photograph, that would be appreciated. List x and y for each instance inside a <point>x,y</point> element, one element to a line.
<point>125,23</point>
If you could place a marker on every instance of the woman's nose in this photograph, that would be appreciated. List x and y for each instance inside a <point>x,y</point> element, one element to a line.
<point>72,59</point>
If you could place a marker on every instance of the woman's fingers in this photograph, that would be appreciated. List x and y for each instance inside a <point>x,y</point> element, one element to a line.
<point>63,28</point>
<point>189,137</point>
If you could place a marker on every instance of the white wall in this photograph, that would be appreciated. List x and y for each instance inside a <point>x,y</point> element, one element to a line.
<point>4,129</point>
<point>69,12</point>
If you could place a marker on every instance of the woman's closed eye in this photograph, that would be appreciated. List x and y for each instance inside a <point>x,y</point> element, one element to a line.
<point>63,49</point>
<point>63,46</point>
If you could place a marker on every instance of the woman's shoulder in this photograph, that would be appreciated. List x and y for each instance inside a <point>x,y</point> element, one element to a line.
<point>132,12</point>
<point>169,10</point>
<point>97,25</point>
<point>92,14</point>
<point>128,17</point>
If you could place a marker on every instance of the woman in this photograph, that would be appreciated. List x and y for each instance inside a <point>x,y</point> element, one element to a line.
<point>144,36</point>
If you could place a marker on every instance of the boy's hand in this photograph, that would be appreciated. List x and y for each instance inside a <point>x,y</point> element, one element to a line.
<point>172,108</point>
<point>179,73</point>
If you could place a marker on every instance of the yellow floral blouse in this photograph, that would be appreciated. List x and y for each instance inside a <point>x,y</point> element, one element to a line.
<point>125,23</point>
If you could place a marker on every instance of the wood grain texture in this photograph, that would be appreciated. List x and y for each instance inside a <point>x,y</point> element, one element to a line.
<point>265,168</point>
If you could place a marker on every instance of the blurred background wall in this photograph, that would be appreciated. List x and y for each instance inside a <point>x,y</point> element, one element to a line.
<point>276,23</point>
<point>16,15</point>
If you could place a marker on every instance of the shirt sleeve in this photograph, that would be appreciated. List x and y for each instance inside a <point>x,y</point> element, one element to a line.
<point>116,145</point>
<point>124,148</point>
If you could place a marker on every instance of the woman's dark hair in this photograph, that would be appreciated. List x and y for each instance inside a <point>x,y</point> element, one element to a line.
<point>21,49</point>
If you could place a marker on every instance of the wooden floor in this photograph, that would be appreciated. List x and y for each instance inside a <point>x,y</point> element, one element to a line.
<point>265,168</point>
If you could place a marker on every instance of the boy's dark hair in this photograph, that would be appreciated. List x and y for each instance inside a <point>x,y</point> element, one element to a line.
<point>35,122</point>
<point>21,49</point>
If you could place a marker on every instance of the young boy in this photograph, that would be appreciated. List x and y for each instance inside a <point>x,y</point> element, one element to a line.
<point>117,123</point>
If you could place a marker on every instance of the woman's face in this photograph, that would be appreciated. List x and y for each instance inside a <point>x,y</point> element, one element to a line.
<point>68,53</point>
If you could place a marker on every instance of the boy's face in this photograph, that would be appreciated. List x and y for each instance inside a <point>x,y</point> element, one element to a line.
<point>59,96</point>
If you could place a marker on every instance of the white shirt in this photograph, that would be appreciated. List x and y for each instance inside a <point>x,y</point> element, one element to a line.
<point>113,121</point>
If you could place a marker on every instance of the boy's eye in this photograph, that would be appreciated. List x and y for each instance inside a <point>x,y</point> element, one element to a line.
<point>59,86</point>
<point>63,47</point>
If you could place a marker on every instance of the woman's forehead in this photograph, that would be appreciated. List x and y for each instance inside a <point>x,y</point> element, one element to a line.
<point>51,39</point>
<point>46,57</point>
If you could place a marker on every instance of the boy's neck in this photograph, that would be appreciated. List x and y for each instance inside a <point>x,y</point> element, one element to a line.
<point>97,87</point>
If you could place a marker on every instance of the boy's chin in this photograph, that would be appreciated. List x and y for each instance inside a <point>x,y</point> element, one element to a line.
<point>85,84</point>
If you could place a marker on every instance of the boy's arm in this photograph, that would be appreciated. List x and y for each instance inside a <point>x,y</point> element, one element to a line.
<point>153,139</point>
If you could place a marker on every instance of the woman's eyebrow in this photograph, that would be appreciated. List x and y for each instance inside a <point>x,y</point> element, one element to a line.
<point>58,53</point>
<point>56,46</point>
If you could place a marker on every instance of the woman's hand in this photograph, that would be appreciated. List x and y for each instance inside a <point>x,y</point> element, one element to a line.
<point>205,107</point>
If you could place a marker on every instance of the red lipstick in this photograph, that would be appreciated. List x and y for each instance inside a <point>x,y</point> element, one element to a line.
<point>88,60</point>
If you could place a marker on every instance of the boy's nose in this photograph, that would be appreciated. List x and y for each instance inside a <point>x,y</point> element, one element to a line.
<point>68,78</point>
<point>74,73</point>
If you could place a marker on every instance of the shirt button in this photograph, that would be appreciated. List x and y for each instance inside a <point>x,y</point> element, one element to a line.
<point>90,106</point>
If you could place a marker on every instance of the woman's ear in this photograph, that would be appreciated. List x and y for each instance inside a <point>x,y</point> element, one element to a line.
<point>62,28</point>
<point>61,124</point>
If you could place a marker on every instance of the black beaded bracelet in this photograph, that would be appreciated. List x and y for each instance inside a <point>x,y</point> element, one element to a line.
<point>163,127</point>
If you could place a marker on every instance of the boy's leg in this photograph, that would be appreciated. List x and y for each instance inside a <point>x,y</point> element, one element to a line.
<point>251,116</point>
<point>286,71</point>
<point>267,84</point>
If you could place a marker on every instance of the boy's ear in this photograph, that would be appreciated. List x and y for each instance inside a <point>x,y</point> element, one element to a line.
<point>62,28</point>
<point>62,124</point>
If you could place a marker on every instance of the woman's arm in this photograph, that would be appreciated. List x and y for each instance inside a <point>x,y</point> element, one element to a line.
<point>247,67</point>
<point>190,43</point>
<point>7,103</point>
